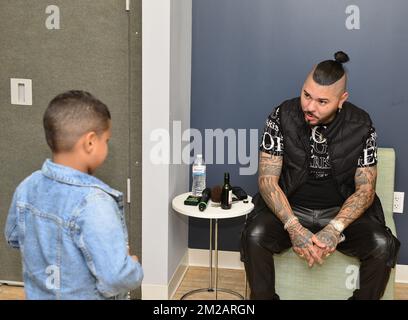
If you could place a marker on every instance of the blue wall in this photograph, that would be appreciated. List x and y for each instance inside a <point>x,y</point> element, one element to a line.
<point>250,55</point>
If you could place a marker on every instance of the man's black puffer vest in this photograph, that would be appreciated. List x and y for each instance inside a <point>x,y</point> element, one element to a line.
<point>346,137</point>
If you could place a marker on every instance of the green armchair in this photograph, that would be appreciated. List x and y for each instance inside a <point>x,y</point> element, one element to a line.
<point>337,277</point>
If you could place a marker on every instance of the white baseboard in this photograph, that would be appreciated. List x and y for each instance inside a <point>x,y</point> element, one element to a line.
<point>401,275</point>
<point>154,292</point>
<point>178,276</point>
<point>12,283</point>
<point>226,259</point>
<point>165,292</point>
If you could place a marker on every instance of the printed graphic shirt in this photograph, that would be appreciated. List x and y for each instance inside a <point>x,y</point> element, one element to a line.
<point>320,181</point>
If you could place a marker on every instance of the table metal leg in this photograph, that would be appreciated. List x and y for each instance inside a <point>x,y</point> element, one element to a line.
<point>216,259</point>
<point>211,288</point>
<point>246,280</point>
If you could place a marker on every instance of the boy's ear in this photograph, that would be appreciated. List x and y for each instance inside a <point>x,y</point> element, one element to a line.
<point>89,141</point>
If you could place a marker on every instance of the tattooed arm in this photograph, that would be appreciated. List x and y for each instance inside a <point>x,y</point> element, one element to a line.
<point>365,180</point>
<point>270,168</point>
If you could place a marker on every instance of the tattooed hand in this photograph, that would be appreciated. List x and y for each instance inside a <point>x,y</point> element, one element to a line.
<point>306,244</point>
<point>330,237</point>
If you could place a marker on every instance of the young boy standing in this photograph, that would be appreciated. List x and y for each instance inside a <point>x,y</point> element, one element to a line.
<point>70,226</point>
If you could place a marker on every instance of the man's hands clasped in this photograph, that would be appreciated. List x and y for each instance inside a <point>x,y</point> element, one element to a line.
<point>313,247</point>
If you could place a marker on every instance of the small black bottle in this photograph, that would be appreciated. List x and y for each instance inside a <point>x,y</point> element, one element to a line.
<point>226,194</point>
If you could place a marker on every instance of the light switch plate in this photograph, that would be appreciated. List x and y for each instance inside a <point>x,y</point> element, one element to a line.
<point>21,92</point>
<point>398,206</point>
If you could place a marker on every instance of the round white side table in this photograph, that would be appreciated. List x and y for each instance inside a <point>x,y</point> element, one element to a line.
<point>213,214</point>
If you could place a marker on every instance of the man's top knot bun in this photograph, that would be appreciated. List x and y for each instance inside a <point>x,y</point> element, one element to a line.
<point>341,57</point>
<point>330,71</point>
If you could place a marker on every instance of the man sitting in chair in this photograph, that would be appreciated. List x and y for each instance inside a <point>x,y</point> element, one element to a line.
<point>317,177</point>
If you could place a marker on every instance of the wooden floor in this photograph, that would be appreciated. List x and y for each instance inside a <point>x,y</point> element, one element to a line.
<point>198,277</point>
<point>401,291</point>
<point>11,293</point>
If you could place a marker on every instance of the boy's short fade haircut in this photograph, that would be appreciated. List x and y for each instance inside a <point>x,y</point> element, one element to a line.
<point>72,114</point>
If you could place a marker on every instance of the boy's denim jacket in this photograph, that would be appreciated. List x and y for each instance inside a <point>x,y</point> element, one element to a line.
<point>72,236</point>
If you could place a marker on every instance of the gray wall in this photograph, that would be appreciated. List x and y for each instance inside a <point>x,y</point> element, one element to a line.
<point>96,49</point>
<point>250,55</point>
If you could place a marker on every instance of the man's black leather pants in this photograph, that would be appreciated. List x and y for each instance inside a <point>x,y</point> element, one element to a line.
<point>367,239</point>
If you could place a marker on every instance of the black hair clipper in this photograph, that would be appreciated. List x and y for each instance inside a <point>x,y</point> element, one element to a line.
<point>239,193</point>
